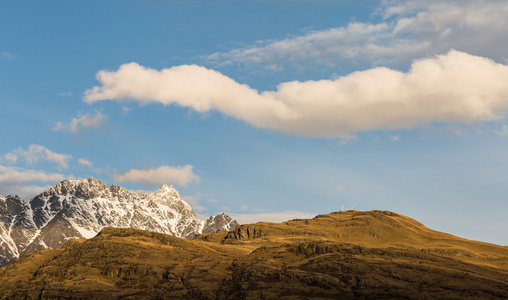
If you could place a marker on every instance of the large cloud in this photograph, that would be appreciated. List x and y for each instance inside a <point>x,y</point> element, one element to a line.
<point>162,175</point>
<point>452,88</point>
<point>408,29</point>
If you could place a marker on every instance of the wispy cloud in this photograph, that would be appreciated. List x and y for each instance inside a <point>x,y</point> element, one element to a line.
<point>409,29</point>
<point>65,94</point>
<point>8,55</point>
<point>88,121</point>
<point>394,138</point>
<point>503,131</point>
<point>85,162</point>
<point>162,175</point>
<point>36,153</point>
<point>26,183</point>
<point>333,47</point>
<point>15,175</point>
<point>89,165</point>
<point>453,88</point>
<point>346,139</point>
<point>26,192</point>
<point>194,201</point>
<point>125,110</point>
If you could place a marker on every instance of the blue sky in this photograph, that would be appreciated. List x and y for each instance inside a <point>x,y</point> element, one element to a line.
<point>267,110</point>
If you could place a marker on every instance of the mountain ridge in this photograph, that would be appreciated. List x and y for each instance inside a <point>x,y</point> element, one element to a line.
<point>345,255</point>
<point>81,208</point>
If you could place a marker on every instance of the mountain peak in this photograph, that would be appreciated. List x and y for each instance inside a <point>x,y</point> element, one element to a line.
<point>82,181</point>
<point>83,188</point>
<point>91,181</point>
<point>166,189</point>
<point>219,222</point>
<point>81,208</point>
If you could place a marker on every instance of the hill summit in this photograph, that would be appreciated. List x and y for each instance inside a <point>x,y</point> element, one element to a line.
<point>342,255</point>
<point>76,209</point>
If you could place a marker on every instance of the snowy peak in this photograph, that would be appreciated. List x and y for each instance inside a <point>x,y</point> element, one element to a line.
<point>169,196</point>
<point>167,191</point>
<point>218,223</point>
<point>167,188</point>
<point>81,208</point>
<point>83,188</point>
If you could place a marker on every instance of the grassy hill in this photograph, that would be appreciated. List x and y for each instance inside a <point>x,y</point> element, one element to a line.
<point>344,255</point>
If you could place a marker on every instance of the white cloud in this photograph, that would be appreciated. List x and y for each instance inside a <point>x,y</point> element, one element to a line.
<point>85,162</point>
<point>36,153</point>
<point>14,175</point>
<point>270,217</point>
<point>189,86</point>
<point>19,181</point>
<point>88,121</point>
<point>503,131</point>
<point>409,29</point>
<point>162,175</point>
<point>453,88</point>
<point>65,94</point>
<point>394,138</point>
<point>26,192</point>
<point>8,55</point>
<point>89,164</point>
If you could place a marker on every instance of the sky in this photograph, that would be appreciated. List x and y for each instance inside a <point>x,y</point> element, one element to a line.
<point>267,110</point>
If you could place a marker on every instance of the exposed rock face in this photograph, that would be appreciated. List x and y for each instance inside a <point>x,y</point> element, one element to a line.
<point>16,227</point>
<point>81,208</point>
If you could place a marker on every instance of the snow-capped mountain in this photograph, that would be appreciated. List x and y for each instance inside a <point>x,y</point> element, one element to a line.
<point>81,208</point>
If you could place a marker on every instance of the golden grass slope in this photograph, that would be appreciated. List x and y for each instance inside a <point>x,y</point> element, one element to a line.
<point>345,255</point>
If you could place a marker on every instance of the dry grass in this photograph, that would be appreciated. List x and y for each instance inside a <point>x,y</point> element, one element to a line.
<point>339,255</point>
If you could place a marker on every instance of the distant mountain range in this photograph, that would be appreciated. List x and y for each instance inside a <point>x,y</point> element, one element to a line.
<point>81,208</point>
<point>341,255</point>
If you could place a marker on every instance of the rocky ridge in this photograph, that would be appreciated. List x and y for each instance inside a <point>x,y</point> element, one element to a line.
<point>81,208</point>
